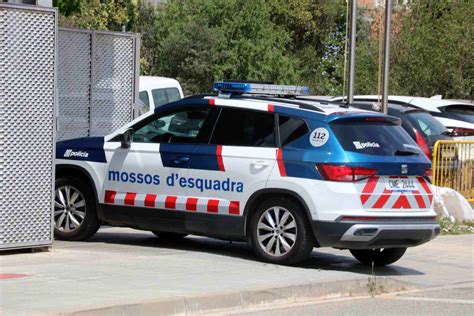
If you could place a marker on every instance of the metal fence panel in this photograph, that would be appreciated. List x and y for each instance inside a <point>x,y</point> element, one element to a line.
<point>74,83</point>
<point>453,166</point>
<point>98,75</point>
<point>113,84</point>
<point>27,127</point>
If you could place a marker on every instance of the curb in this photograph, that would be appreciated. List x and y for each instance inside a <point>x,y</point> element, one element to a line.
<point>247,298</point>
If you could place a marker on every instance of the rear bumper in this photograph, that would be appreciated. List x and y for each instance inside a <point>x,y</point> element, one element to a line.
<point>371,235</point>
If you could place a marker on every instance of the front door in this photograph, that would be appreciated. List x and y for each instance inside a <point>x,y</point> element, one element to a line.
<point>148,176</point>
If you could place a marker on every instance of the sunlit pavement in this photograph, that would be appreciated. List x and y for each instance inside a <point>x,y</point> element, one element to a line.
<point>124,267</point>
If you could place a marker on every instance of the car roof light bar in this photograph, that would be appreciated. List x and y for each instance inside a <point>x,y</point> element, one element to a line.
<point>260,88</point>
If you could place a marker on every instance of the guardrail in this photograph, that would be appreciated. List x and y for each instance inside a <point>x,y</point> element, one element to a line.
<point>453,166</point>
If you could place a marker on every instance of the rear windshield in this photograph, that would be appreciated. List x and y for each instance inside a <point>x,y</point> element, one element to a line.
<point>374,138</point>
<point>461,112</point>
<point>426,124</point>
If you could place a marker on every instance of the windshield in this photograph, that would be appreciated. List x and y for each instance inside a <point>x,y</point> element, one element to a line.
<point>461,112</point>
<point>382,139</point>
<point>426,124</point>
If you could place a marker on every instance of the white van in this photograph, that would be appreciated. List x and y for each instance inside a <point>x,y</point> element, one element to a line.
<point>156,91</point>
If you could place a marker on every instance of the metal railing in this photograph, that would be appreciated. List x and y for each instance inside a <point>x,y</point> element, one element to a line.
<point>453,166</point>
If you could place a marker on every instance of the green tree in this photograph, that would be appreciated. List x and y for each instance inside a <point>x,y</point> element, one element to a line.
<point>95,14</point>
<point>317,30</point>
<point>434,52</point>
<point>68,7</point>
<point>198,42</point>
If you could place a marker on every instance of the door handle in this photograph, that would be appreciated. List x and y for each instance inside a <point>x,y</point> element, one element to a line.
<point>260,164</point>
<point>181,160</point>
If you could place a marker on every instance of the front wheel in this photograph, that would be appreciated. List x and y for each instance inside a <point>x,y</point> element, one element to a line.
<point>380,257</point>
<point>75,216</point>
<point>279,232</point>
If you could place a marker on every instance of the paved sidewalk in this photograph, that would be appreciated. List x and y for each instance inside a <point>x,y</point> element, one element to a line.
<point>127,271</point>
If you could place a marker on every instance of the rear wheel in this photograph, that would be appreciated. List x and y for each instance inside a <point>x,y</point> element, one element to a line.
<point>75,216</point>
<point>380,257</point>
<point>279,232</point>
<point>169,236</point>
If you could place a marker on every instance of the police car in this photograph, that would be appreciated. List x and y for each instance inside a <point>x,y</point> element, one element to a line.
<point>257,163</point>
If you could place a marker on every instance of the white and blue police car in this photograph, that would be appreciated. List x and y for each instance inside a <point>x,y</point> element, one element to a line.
<point>259,163</point>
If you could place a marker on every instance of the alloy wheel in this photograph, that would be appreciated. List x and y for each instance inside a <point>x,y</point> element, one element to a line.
<point>69,209</point>
<point>276,231</point>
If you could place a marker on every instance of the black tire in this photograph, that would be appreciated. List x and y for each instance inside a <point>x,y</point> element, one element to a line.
<point>380,257</point>
<point>302,246</point>
<point>90,222</point>
<point>169,236</point>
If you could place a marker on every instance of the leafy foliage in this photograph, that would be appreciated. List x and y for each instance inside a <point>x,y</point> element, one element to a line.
<point>95,14</point>
<point>292,41</point>
<point>433,52</point>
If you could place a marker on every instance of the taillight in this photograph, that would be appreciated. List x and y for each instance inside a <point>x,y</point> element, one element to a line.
<point>459,131</point>
<point>345,173</point>
<point>428,173</point>
<point>420,140</point>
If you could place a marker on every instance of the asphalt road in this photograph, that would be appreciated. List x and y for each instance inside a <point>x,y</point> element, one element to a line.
<point>450,300</point>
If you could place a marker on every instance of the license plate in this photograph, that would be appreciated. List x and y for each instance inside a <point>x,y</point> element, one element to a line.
<point>401,185</point>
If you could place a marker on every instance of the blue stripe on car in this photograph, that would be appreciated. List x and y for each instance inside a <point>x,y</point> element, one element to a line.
<point>84,149</point>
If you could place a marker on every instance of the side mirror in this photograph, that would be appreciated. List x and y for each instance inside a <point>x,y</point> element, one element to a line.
<point>127,137</point>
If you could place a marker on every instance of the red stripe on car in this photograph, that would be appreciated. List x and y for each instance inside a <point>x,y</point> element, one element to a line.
<point>281,164</point>
<point>110,196</point>
<point>170,202</point>
<point>129,198</point>
<point>191,204</point>
<point>213,206</point>
<point>271,108</point>
<point>220,161</point>
<point>369,189</point>
<point>212,102</point>
<point>424,184</point>
<point>402,202</point>
<point>419,199</point>
<point>234,208</point>
<point>382,199</point>
<point>150,200</point>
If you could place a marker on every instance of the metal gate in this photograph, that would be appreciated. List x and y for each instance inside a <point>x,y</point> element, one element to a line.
<point>27,124</point>
<point>98,75</point>
<point>453,166</point>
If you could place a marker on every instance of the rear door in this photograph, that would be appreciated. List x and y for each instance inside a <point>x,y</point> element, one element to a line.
<point>385,146</point>
<point>237,162</point>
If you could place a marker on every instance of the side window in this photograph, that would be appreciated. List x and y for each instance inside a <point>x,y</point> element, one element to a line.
<point>159,97</point>
<point>143,96</point>
<point>143,105</point>
<point>238,127</point>
<point>165,95</point>
<point>173,94</point>
<point>291,129</point>
<point>178,127</point>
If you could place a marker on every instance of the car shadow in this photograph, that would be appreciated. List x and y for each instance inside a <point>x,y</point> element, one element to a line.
<point>326,259</point>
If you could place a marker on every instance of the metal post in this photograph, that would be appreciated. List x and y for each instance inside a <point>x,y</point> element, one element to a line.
<point>353,32</point>
<point>386,55</point>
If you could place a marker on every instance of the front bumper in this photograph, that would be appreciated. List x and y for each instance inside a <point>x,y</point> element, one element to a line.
<point>388,233</point>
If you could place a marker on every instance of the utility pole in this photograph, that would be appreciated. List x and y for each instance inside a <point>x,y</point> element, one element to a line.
<point>386,55</point>
<point>352,47</point>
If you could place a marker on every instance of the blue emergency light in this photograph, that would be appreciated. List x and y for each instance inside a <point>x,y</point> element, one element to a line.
<point>259,88</point>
